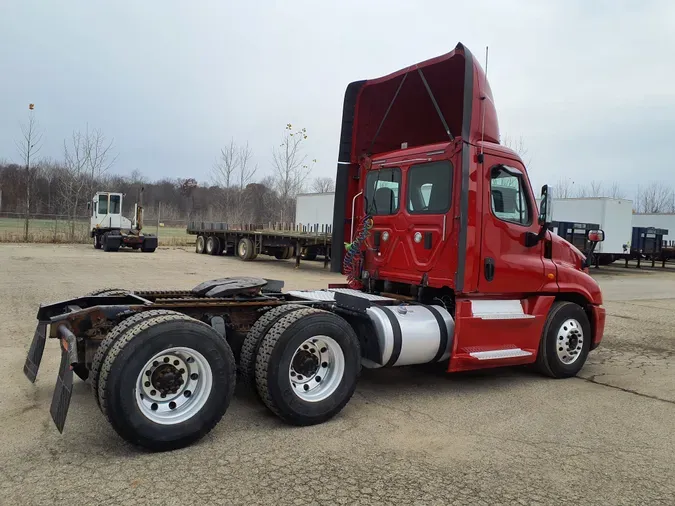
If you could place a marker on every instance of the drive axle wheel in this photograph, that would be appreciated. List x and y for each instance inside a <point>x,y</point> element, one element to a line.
<point>166,382</point>
<point>307,366</point>
<point>565,342</point>
<point>254,337</point>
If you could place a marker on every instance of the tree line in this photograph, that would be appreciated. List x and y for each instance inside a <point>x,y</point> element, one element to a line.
<point>237,191</point>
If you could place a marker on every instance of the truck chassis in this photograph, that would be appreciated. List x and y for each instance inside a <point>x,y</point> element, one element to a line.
<point>156,359</point>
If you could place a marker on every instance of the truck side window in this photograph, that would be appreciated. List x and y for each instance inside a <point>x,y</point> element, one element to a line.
<point>114,204</point>
<point>102,204</point>
<point>383,189</point>
<point>430,188</point>
<point>508,196</point>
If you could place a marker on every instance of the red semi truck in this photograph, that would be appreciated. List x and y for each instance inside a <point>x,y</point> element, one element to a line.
<point>448,261</point>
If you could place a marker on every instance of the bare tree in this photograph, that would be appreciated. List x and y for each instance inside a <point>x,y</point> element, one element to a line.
<point>87,157</point>
<point>563,189</point>
<point>518,145</point>
<point>28,147</point>
<point>323,185</point>
<point>654,198</point>
<point>245,170</point>
<point>290,168</point>
<point>615,192</point>
<point>226,164</point>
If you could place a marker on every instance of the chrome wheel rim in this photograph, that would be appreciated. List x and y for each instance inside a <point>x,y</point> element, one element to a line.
<point>317,368</point>
<point>569,341</point>
<point>174,385</point>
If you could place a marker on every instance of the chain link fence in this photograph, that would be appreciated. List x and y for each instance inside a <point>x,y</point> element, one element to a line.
<point>53,228</point>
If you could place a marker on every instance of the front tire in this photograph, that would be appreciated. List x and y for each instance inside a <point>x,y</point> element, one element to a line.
<point>307,366</point>
<point>166,382</point>
<point>566,341</point>
<point>97,241</point>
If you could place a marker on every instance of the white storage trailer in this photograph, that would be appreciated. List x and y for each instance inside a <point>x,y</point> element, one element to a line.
<point>314,209</point>
<point>665,221</point>
<point>613,215</point>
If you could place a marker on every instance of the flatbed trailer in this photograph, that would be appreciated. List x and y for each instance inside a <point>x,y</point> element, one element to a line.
<point>249,241</point>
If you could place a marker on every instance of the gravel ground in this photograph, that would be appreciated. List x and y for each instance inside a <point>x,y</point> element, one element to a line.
<point>408,436</point>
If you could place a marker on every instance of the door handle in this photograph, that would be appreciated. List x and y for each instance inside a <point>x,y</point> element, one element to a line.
<point>489,270</point>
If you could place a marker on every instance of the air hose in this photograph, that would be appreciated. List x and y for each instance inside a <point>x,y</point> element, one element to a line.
<point>351,265</point>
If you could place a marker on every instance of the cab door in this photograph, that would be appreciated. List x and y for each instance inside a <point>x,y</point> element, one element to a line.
<point>509,265</point>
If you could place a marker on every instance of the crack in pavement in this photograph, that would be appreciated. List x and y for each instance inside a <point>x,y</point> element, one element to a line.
<point>622,389</point>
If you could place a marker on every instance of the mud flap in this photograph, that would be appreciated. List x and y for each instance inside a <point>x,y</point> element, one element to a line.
<point>37,347</point>
<point>63,389</point>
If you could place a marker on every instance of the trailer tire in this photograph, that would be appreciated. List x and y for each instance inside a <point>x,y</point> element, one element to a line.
<point>309,254</point>
<point>565,341</point>
<point>112,336</point>
<point>286,351</point>
<point>283,253</point>
<point>251,345</point>
<point>212,245</point>
<point>245,250</point>
<point>200,244</point>
<point>198,397</point>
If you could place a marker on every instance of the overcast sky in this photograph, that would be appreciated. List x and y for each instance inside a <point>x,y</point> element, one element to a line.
<point>588,85</point>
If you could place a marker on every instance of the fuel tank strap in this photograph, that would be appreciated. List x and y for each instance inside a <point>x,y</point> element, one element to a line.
<point>398,339</point>
<point>443,329</point>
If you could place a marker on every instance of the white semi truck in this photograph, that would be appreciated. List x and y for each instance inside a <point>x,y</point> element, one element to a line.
<point>111,231</point>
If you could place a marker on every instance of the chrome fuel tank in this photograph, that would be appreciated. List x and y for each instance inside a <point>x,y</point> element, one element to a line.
<point>411,334</point>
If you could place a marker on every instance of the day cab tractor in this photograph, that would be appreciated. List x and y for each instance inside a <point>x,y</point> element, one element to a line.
<point>447,258</point>
<point>111,231</point>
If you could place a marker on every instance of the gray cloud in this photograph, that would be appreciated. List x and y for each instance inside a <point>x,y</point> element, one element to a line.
<point>588,85</point>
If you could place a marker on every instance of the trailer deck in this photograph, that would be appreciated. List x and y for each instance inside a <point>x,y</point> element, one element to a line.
<point>281,241</point>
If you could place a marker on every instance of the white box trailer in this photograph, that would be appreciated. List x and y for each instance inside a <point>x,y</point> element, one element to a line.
<point>613,215</point>
<point>665,221</point>
<point>314,209</point>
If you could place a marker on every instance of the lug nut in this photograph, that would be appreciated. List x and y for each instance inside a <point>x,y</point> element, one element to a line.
<point>148,373</point>
<point>306,387</point>
<point>181,371</point>
<point>324,349</point>
<point>153,392</point>
<point>324,364</point>
<point>176,362</point>
<point>166,360</point>
<point>155,363</point>
<point>318,379</point>
<point>187,393</point>
<point>172,405</point>
<point>194,376</point>
<point>154,406</point>
<point>147,383</point>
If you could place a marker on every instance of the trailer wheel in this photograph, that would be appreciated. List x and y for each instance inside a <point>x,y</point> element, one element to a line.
<point>245,249</point>
<point>283,253</point>
<point>200,244</point>
<point>307,366</point>
<point>254,337</point>
<point>167,382</point>
<point>112,336</point>
<point>566,341</point>
<point>212,245</point>
<point>309,254</point>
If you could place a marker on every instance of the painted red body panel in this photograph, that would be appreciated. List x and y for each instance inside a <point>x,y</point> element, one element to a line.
<point>474,334</point>
<point>598,325</point>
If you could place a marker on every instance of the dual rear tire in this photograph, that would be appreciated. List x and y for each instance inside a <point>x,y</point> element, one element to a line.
<point>163,379</point>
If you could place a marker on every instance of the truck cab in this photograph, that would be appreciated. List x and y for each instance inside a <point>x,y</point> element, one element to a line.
<point>106,211</point>
<point>432,208</point>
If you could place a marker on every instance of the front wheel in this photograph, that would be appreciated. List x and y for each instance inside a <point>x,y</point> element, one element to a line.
<point>166,382</point>
<point>97,241</point>
<point>307,366</point>
<point>566,341</point>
